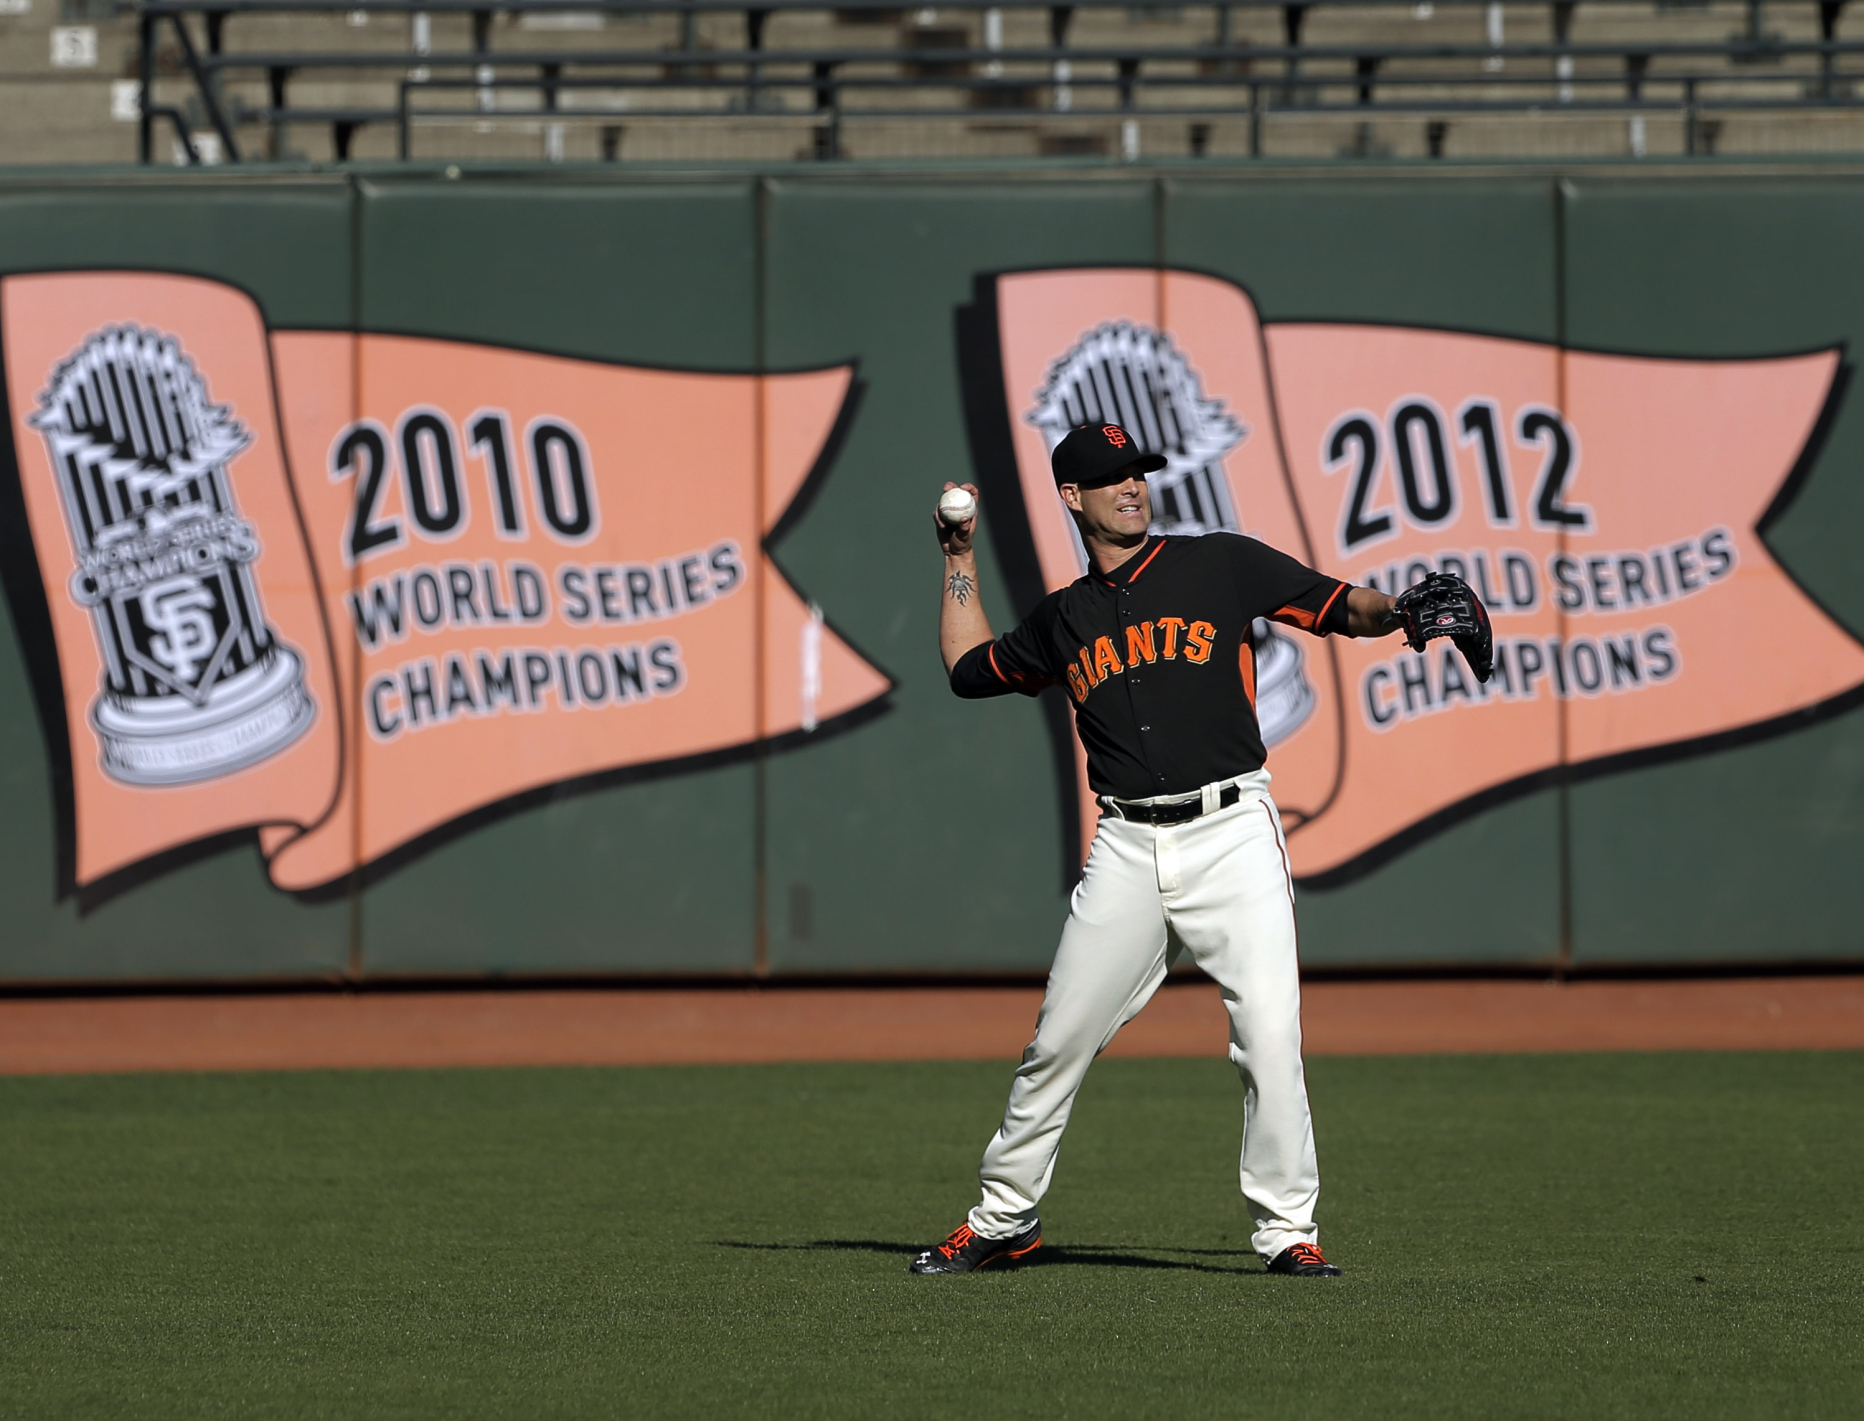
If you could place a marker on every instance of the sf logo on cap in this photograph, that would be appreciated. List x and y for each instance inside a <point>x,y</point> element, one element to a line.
<point>1115,435</point>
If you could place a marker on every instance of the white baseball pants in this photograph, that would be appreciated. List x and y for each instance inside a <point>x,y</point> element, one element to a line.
<point>1219,888</point>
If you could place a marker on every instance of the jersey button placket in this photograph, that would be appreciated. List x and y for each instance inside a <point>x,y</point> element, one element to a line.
<point>1126,625</point>
<point>1133,680</point>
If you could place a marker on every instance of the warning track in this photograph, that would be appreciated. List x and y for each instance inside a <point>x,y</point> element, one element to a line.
<point>601,1026</point>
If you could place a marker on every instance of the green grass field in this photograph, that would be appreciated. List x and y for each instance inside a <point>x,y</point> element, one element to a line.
<point>1588,1236</point>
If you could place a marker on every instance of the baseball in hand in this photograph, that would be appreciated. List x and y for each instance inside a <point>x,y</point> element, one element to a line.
<point>955,505</point>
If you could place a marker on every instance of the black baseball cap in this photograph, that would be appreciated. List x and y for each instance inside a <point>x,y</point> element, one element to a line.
<point>1094,454</point>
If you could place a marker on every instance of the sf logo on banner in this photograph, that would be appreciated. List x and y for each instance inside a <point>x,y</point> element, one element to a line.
<point>196,684</point>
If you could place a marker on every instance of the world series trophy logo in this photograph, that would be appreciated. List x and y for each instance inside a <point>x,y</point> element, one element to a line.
<point>1133,375</point>
<point>195,684</point>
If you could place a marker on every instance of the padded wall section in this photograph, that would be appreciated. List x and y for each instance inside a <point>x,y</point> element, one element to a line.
<point>204,910</point>
<point>1749,852</point>
<point>1347,264</point>
<point>651,873</point>
<point>596,513</point>
<point>933,837</point>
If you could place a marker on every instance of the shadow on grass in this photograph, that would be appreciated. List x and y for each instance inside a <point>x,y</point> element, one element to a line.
<point>1049,1256</point>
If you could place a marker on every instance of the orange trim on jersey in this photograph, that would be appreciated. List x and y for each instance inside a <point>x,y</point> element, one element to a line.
<point>1300,617</point>
<point>1017,680</point>
<point>1147,563</point>
<point>1246,664</point>
<point>1338,592</point>
<point>1294,617</point>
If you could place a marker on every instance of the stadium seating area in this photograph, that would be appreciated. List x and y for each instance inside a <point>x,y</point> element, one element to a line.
<point>662,81</point>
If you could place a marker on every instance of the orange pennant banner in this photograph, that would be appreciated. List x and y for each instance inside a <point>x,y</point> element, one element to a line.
<point>1608,508</point>
<point>350,591</point>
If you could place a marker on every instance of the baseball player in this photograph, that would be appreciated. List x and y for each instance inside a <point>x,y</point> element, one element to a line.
<point>1154,646</point>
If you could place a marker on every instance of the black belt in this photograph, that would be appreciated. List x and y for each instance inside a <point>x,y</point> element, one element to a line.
<point>1181,813</point>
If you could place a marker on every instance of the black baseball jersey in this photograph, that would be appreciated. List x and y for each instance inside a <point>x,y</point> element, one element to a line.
<point>1158,657</point>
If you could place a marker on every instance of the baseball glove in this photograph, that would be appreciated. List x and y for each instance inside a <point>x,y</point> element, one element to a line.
<point>1445,605</point>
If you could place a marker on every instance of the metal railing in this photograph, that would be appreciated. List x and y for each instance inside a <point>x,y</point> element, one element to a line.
<point>830,87</point>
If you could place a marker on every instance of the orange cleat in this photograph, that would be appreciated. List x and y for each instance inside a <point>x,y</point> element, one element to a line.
<point>1302,1260</point>
<point>966,1252</point>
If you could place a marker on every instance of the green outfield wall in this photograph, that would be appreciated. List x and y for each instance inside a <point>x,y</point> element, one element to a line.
<point>774,375</point>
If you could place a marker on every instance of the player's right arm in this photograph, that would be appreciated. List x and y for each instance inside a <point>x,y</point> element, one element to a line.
<point>961,620</point>
<point>978,664</point>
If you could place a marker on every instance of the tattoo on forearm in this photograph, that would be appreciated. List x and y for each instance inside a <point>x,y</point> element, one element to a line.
<point>961,587</point>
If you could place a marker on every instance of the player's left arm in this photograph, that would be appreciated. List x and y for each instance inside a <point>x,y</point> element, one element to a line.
<point>1369,612</point>
<point>1311,601</point>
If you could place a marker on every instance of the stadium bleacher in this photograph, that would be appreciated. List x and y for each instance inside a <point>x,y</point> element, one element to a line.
<point>221,81</point>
